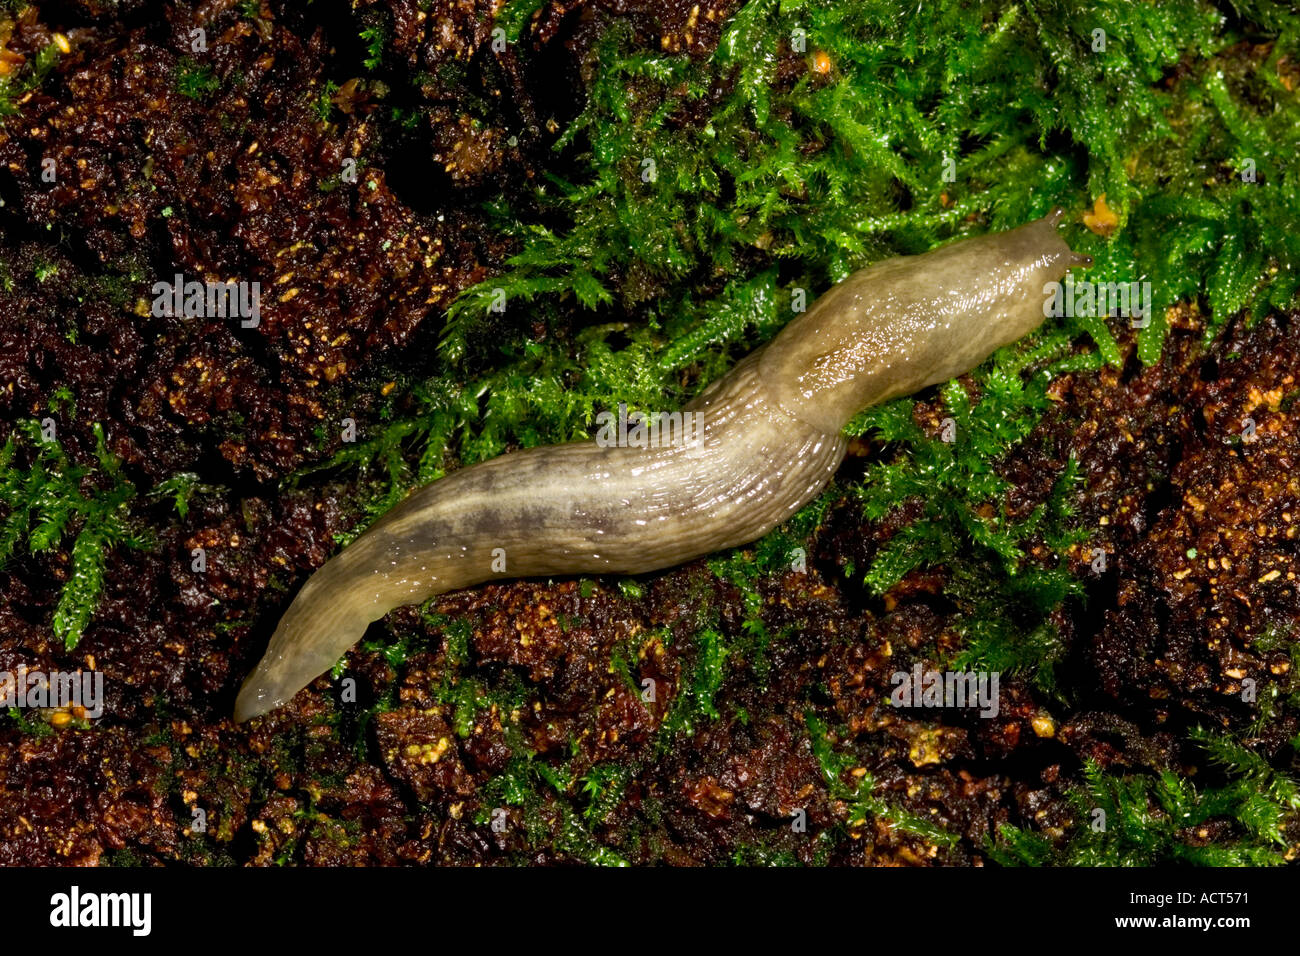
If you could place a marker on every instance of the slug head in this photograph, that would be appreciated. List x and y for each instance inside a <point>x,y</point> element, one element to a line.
<point>906,323</point>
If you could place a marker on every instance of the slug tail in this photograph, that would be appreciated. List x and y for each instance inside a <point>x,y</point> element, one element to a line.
<point>325,619</point>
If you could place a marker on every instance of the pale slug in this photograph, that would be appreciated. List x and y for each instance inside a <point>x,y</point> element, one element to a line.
<point>770,443</point>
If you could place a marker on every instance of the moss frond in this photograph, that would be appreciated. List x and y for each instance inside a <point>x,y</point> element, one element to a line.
<point>50,500</point>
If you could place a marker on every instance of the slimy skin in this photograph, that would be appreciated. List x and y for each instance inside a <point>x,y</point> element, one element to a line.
<point>770,442</point>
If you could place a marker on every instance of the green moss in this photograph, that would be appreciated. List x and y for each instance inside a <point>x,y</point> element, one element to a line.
<point>539,796</point>
<point>603,786</point>
<point>863,804</point>
<point>780,182</point>
<point>48,503</point>
<point>744,570</point>
<point>1006,597</point>
<point>373,37</point>
<point>1279,700</point>
<point>1137,819</point>
<point>757,854</point>
<point>323,106</point>
<point>30,76</point>
<point>30,724</point>
<point>514,16</point>
<point>195,80</point>
<point>181,488</point>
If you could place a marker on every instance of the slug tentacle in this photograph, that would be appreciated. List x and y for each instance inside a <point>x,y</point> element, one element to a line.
<point>768,443</point>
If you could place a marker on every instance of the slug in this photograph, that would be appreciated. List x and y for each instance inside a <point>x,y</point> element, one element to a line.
<point>769,441</point>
